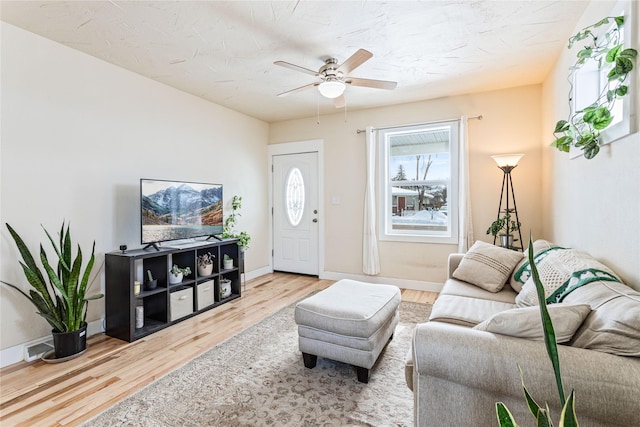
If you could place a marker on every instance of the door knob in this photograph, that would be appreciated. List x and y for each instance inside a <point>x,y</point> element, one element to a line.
<point>315,219</point>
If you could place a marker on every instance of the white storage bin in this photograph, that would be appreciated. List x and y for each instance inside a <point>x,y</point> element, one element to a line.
<point>205,294</point>
<point>181,303</point>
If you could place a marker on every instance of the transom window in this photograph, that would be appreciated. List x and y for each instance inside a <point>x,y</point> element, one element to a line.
<point>418,181</point>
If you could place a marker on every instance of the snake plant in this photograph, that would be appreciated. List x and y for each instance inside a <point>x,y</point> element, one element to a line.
<point>60,298</point>
<point>543,417</point>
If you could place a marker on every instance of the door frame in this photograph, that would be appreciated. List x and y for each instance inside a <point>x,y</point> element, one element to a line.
<point>300,147</point>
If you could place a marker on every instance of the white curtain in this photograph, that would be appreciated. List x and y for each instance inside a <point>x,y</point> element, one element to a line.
<point>370,257</point>
<point>465,226</point>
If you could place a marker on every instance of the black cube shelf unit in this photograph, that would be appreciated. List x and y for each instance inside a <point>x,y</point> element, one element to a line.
<point>167,303</point>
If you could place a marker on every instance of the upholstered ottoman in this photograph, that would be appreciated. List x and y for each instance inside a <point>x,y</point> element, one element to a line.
<point>349,322</point>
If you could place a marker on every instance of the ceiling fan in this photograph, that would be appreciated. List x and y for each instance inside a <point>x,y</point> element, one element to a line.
<point>334,77</point>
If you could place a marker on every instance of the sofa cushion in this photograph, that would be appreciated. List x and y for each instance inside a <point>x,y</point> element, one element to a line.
<point>562,271</point>
<point>487,266</point>
<point>464,289</point>
<point>614,323</point>
<point>465,311</point>
<point>522,270</point>
<point>526,322</point>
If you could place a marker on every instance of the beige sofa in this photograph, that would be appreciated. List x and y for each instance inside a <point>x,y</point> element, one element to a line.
<point>458,373</point>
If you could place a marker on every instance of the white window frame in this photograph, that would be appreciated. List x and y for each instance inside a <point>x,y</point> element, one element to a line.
<point>385,230</point>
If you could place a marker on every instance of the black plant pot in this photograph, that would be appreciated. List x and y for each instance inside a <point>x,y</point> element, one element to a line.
<point>69,343</point>
<point>151,285</point>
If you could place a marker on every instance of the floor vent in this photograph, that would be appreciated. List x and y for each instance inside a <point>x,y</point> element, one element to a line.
<point>36,351</point>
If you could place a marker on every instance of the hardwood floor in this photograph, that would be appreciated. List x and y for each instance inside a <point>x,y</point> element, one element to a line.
<point>41,394</point>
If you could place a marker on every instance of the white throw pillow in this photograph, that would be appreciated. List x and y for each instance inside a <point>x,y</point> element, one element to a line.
<point>487,266</point>
<point>527,323</point>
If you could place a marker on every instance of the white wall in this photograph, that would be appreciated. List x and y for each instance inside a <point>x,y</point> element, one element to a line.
<point>78,134</point>
<point>511,124</point>
<point>593,205</point>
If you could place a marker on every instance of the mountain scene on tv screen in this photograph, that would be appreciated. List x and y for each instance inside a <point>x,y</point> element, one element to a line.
<point>183,206</point>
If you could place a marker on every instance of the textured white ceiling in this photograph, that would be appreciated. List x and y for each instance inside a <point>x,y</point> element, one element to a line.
<point>224,51</point>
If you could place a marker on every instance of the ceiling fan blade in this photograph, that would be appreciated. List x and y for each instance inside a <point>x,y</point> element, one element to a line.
<point>340,101</point>
<point>298,89</point>
<point>377,84</point>
<point>296,68</point>
<point>354,61</point>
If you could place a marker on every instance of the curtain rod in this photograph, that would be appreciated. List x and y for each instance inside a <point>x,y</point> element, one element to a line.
<point>359,131</point>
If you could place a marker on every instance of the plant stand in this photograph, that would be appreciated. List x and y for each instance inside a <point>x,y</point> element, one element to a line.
<point>507,187</point>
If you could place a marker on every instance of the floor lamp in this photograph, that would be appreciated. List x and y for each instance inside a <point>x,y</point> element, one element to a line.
<point>507,162</point>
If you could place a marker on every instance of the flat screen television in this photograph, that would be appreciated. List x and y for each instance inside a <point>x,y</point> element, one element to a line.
<point>176,210</point>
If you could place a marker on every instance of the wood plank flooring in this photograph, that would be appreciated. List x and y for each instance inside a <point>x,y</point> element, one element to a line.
<point>66,394</point>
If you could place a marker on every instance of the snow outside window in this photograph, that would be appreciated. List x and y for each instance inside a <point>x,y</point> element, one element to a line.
<point>418,183</point>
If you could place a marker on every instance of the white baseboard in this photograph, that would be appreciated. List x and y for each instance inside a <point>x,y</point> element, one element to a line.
<point>333,275</point>
<point>401,283</point>
<point>15,354</point>
<point>250,275</point>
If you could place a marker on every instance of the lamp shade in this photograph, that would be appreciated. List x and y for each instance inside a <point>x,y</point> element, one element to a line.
<point>505,160</point>
<point>331,88</point>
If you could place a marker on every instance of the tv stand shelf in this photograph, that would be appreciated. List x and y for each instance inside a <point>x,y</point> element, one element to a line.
<point>167,303</point>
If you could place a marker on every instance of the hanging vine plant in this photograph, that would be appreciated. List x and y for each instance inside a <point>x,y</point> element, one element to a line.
<point>583,127</point>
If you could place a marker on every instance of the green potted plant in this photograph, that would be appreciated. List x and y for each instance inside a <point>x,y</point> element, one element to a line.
<point>508,225</point>
<point>583,127</point>
<point>176,274</point>
<point>228,230</point>
<point>205,264</point>
<point>227,262</point>
<point>59,294</point>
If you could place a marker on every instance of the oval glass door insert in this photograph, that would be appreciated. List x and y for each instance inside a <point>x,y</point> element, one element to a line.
<point>294,196</point>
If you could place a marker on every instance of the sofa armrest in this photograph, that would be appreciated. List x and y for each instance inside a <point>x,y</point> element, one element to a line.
<point>452,264</point>
<point>486,365</point>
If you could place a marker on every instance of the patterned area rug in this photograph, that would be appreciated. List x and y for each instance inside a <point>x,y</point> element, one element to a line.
<point>257,378</point>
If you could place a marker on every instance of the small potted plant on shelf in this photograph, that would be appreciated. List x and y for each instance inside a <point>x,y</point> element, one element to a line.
<point>227,262</point>
<point>61,299</point>
<point>507,224</point>
<point>205,264</point>
<point>176,274</point>
<point>152,283</point>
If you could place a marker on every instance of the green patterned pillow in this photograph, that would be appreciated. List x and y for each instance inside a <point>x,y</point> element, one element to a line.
<point>522,271</point>
<point>562,271</point>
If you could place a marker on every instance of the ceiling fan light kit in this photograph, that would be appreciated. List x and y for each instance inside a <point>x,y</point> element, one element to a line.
<point>334,78</point>
<point>331,88</point>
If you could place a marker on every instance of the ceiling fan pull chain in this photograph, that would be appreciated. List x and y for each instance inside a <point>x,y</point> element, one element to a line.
<point>345,109</point>
<point>318,108</point>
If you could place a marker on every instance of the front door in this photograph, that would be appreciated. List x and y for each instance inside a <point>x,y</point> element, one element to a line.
<point>295,213</point>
